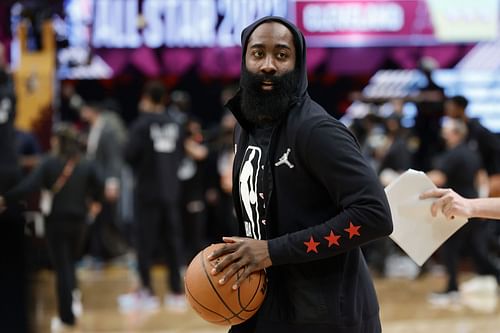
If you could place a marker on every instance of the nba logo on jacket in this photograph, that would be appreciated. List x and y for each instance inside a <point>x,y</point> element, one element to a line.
<point>248,186</point>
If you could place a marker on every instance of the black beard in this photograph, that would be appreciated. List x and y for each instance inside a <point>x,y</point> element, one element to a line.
<point>263,107</point>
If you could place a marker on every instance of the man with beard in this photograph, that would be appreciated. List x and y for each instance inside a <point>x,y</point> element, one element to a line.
<point>316,199</point>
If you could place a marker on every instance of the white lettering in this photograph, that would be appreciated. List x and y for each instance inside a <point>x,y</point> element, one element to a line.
<point>174,23</point>
<point>279,8</point>
<point>264,7</point>
<point>117,38</point>
<point>100,36</point>
<point>224,35</point>
<point>171,24</point>
<point>164,137</point>
<point>132,37</point>
<point>354,17</point>
<point>186,29</point>
<point>199,19</point>
<point>152,33</point>
<point>207,21</point>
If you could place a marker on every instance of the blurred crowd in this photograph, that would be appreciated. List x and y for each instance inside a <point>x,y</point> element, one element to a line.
<point>432,132</point>
<point>158,191</point>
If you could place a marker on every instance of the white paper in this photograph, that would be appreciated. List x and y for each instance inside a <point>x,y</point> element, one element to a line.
<point>416,231</point>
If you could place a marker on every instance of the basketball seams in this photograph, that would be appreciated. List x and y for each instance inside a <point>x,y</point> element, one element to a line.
<point>208,309</point>
<point>245,308</point>
<point>215,289</point>
<point>225,296</point>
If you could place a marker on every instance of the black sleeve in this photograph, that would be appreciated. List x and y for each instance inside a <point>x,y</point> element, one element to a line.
<point>135,145</point>
<point>333,156</point>
<point>96,183</point>
<point>112,153</point>
<point>489,146</point>
<point>488,140</point>
<point>33,182</point>
<point>448,164</point>
<point>398,157</point>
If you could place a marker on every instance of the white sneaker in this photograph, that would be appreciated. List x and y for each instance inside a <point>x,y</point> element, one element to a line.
<point>76,305</point>
<point>138,301</point>
<point>176,303</point>
<point>484,285</point>
<point>57,326</point>
<point>444,299</point>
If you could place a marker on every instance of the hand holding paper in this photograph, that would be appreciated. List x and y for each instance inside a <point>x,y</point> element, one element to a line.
<point>416,231</point>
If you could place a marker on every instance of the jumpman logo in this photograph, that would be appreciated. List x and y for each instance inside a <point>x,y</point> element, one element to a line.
<point>284,160</point>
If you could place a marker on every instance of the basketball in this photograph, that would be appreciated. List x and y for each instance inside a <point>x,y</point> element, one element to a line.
<point>220,304</point>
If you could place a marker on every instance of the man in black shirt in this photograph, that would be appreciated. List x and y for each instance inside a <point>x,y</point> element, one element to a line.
<point>479,138</point>
<point>305,198</point>
<point>154,152</point>
<point>429,104</point>
<point>457,169</point>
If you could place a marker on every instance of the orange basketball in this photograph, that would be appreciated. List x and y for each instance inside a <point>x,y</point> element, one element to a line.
<point>220,304</point>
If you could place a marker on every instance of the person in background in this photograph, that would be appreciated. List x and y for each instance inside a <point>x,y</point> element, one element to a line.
<point>192,201</point>
<point>395,158</point>
<point>28,149</point>
<point>71,181</point>
<point>10,171</point>
<point>392,158</point>
<point>13,307</point>
<point>222,220</point>
<point>70,103</point>
<point>458,169</point>
<point>193,189</point>
<point>225,159</point>
<point>429,104</point>
<point>180,106</point>
<point>154,151</point>
<point>479,138</point>
<point>106,149</point>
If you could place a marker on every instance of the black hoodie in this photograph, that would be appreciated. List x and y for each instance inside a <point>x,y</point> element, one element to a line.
<point>318,213</point>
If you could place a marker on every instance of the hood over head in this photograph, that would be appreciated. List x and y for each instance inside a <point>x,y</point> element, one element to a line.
<point>300,60</point>
<point>300,48</point>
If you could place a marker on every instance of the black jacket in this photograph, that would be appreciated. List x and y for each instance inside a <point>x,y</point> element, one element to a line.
<point>71,201</point>
<point>10,172</point>
<point>487,144</point>
<point>154,151</point>
<point>318,215</point>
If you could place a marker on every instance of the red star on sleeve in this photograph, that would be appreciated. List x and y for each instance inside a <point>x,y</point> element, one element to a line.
<point>311,245</point>
<point>332,239</point>
<point>353,230</point>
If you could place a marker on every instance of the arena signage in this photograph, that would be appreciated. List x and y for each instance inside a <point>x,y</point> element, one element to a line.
<point>395,22</point>
<point>164,23</point>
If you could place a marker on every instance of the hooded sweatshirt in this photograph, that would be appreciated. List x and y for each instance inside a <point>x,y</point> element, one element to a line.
<point>312,195</point>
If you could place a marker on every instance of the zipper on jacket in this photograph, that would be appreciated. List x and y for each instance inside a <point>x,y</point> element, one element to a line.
<point>268,178</point>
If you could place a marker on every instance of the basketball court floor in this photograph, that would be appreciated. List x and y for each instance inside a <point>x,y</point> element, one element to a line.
<point>404,306</point>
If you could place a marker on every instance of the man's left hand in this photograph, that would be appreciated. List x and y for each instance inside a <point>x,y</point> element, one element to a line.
<point>250,254</point>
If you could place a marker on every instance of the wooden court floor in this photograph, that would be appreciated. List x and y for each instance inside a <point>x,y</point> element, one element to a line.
<point>404,307</point>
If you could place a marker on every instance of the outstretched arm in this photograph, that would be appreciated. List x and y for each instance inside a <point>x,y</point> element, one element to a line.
<point>452,204</point>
